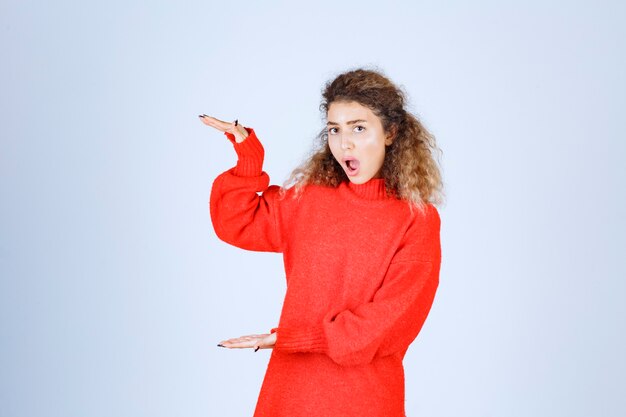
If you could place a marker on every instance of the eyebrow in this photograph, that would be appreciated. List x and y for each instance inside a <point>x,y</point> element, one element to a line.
<point>351,122</point>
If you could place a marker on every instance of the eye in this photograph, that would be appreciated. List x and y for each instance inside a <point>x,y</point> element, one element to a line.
<point>359,127</point>
<point>331,129</point>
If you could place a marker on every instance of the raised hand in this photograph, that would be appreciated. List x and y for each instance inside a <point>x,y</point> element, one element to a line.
<point>235,128</point>
<point>255,341</point>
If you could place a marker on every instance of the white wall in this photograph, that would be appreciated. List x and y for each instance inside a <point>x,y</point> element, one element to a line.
<point>114,289</point>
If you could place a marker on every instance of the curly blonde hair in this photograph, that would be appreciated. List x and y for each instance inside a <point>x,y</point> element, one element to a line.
<point>409,168</point>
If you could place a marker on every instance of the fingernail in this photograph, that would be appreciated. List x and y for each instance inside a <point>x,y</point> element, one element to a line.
<point>201,115</point>
<point>257,348</point>
<point>236,121</point>
<point>220,345</point>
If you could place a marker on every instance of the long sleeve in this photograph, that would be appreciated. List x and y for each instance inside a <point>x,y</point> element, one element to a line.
<point>243,206</point>
<point>394,317</point>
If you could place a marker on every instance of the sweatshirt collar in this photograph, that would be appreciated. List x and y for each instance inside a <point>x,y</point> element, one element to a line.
<point>374,189</point>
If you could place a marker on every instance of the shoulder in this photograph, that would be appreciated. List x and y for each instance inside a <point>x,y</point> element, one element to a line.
<point>426,215</point>
<point>427,223</point>
<point>422,238</point>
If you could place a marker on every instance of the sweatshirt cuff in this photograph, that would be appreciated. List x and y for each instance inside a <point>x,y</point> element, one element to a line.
<point>250,154</point>
<point>305,339</point>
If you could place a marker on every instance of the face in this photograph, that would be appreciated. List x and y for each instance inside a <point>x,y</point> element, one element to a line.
<point>357,140</point>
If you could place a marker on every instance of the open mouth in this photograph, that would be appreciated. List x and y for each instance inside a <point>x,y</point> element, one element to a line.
<point>352,165</point>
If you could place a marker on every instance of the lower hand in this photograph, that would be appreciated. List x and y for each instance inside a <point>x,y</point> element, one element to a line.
<point>255,341</point>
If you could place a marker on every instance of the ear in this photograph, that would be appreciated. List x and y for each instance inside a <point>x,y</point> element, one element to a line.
<point>391,136</point>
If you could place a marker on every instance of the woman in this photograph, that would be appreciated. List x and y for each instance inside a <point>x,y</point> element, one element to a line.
<point>359,233</point>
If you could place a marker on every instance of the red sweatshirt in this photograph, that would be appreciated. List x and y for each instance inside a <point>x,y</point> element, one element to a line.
<point>362,271</point>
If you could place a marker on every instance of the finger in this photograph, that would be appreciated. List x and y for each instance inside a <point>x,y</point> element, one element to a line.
<point>239,340</point>
<point>243,338</point>
<point>247,338</point>
<point>231,341</point>
<point>250,336</point>
<point>215,122</point>
<point>209,121</point>
<point>239,344</point>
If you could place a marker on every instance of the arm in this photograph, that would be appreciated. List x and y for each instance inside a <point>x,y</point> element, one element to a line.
<point>392,320</point>
<point>241,216</point>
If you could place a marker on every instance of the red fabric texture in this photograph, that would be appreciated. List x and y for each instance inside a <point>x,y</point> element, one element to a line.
<point>362,271</point>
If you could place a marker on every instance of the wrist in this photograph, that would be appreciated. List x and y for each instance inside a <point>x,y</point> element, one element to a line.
<point>240,137</point>
<point>250,154</point>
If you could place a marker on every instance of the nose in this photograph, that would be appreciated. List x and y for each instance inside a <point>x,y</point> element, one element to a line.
<point>346,142</point>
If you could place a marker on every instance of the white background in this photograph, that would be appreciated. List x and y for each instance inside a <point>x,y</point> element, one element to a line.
<point>114,289</point>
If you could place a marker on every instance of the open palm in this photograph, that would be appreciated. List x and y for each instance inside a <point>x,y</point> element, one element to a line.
<point>256,341</point>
